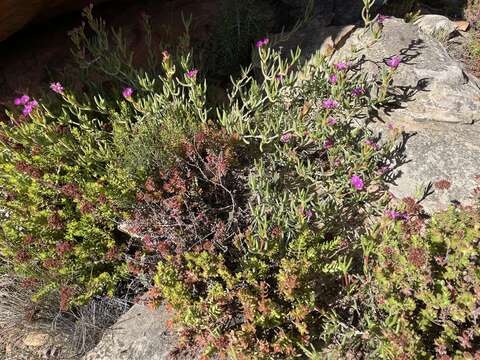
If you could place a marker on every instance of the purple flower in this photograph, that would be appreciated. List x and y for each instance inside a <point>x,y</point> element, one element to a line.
<point>309,214</point>
<point>57,87</point>
<point>328,143</point>
<point>372,144</point>
<point>329,104</point>
<point>285,138</point>
<point>342,66</point>
<point>279,77</point>
<point>22,100</point>
<point>332,79</point>
<point>28,108</point>
<point>331,121</point>
<point>384,169</point>
<point>192,73</point>
<point>357,182</point>
<point>127,92</point>
<point>393,62</point>
<point>358,91</point>
<point>396,215</point>
<point>261,43</point>
<point>381,18</point>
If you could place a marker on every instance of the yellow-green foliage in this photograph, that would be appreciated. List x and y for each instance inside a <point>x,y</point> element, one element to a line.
<point>70,164</point>
<point>427,287</point>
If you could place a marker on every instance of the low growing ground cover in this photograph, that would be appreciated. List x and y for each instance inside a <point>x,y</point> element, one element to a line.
<point>263,223</point>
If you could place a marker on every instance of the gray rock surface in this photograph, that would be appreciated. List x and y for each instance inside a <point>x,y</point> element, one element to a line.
<point>438,151</point>
<point>140,334</point>
<point>430,84</point>
<point>437,105</point>
<point>438,26</point>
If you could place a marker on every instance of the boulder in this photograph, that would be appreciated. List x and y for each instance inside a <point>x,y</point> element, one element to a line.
<point>438,26</point>
<point>15,14</point>
<point>140,334</point>
<point>436,103</point>
<point>429,83</point>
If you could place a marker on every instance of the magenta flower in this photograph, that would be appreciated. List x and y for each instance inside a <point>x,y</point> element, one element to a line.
<point>381,18</point>
<point>309,214</point>
<point>28,108</point>
<point>165,55</point>
<point>393,62</point>
<point>357,182</point>
<point>285,138</point>
<point>279,77</point>
<point>57,87</point>
<point>372,144</point>
<point>342,66</point>
<point>22,100</point>
<point>328,144</point>
<point>358,91</point>
<point>329,104</point>
<point>333,79</point>
<point>127,92</point>
<point>261,43</point>
<point>384,169</point>
<point>331,121</point>
<point>192,73</point>
<point>396,215</point>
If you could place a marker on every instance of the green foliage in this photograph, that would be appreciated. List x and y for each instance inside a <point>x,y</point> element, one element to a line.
<point>427,286</point>
<point>61,194</point>
<point>261,287</point>
<point>238,24</point>
<point>419,295</point>
<point>69,167</point>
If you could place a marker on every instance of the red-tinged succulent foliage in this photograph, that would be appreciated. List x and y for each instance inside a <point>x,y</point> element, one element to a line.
<point>421,291</point>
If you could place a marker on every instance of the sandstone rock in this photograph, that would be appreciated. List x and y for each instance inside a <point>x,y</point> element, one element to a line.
<point>140,334</point>
<point>462,25</point>
<point>437,26</point>
<point>440,151</point>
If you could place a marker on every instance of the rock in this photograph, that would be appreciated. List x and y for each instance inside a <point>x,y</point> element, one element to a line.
<point>438,106</point>
<point>36,339</point>
<point>315,36</point>
<point>15,14</point>
<point>462,25</point>
<point>140,334</point>
<point>429,83</point>
<point>438,26</point>
<point>434,152</point>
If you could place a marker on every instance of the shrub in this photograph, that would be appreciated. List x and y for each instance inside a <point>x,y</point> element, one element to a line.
<point>418,296</point>
<point>257,280</point>
<point>70,165</point>
<point>427,287</point>
<point>237,25</point>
